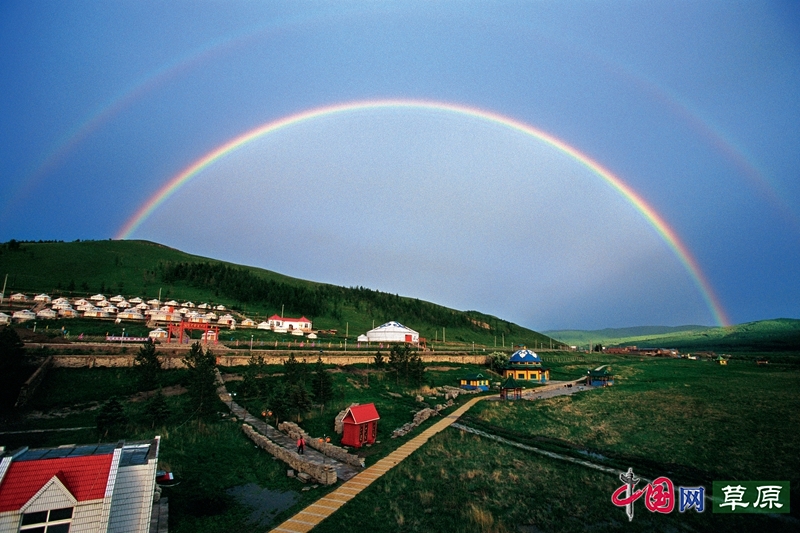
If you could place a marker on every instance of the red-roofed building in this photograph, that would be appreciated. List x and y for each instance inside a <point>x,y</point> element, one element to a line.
<point>98,488</point>
<point>84,478</point>
<point>276,322</point>
<point>360,425</point>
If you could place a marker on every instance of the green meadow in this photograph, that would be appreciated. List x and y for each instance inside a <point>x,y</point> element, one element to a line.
<point>749,339</point>
<point>693,421</point>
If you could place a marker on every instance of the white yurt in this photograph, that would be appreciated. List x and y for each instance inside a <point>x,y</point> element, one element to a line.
<point>158,333</point>
<point>393,332</point>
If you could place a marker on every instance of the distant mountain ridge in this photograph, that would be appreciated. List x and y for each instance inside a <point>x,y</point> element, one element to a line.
<point>774,335</point>
<point>577,336</point>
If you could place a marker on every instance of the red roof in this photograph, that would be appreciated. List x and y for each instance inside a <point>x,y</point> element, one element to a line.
<point>85,477</point>
<point>301,319</point>
<point>360,414</point>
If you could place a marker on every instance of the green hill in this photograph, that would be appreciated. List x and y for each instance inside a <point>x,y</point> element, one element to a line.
<point>141,268</point>
<point>777,335</point>
<point>575,337</point>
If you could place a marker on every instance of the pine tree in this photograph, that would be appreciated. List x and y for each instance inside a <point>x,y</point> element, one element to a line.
<point>252,383</point>
<point>202,389</point>
<point>148,365</point>
<point>379,359</point>
<point>322,385</point>
<point>294,372</point>
<point>399,362</point>
<point>416,370</point>
<point>298,400</point>
<point>157,409</point>
<point>111,418</point>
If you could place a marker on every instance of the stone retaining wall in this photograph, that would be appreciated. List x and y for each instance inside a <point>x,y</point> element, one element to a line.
<point>323,474</point>
<point>176,361</point>
<point>419,418</point>
<point>29,387</point>
<point>331,450</point>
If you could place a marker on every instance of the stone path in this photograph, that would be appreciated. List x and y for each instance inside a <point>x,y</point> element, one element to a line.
<point>318,511</point>
<point>343,471</point>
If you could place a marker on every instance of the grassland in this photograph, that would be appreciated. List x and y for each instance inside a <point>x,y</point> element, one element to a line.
<point>209,456</point>
<point>690,420</point>
<point>140,268</point>
<point>761,337</point>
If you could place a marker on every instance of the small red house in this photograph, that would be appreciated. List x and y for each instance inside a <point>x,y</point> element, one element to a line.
<point>360,424</point>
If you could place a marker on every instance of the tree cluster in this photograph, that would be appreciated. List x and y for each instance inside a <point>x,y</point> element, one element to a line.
<point>244,286</point>
<point>497,361</point>
<point>300,389</point>
<point>406,365</point>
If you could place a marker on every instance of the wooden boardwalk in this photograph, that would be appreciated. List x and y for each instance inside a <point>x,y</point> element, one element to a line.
<point>318,511</point>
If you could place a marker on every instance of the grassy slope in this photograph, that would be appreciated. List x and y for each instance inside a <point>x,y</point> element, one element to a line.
<point>778,335</point>
<point>130,268</point>
<point>690,420</point>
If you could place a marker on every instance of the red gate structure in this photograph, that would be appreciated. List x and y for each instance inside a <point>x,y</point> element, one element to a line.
<point>177,330</point>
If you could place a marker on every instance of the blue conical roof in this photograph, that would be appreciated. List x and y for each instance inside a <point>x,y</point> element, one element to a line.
<point>525,356</point>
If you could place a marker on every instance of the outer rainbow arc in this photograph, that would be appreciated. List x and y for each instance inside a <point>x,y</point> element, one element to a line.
<point>650,214</point>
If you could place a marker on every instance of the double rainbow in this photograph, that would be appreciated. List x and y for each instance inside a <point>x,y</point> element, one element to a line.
<point>656,221</point>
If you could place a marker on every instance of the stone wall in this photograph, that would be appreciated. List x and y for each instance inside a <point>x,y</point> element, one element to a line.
<point>326,448</point>
<point>176,360</point>
<point>323,474</point>
<point>29,387</point>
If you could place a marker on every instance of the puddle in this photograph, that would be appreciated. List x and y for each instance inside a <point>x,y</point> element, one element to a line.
<point>265,503</point>
<point>592,454</point>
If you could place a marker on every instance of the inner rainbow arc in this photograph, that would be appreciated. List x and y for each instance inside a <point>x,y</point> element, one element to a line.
<point>658,223</point>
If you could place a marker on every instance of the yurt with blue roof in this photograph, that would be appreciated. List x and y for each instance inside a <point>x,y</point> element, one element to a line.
<point>526,365</point>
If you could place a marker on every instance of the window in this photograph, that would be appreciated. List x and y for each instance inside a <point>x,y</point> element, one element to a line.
<point>52,521</point>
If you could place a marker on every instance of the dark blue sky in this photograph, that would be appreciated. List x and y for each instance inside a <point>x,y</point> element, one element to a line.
<point>693,105</point>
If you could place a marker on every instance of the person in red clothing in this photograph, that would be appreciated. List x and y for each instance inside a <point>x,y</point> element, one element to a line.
<point>301,445</point>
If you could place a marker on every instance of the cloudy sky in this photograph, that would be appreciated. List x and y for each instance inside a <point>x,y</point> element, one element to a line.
<point>558,164</point>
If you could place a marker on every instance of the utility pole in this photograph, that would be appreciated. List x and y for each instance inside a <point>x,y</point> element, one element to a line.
<point>4,290</point>
<point>281,310</point>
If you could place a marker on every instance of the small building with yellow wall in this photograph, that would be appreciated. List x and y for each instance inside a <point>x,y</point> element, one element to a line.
<point>526,365</point>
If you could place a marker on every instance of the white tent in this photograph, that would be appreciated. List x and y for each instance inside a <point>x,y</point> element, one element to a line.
<point>158,333</point>
<point>25,314</point>
<point>393,332</point>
